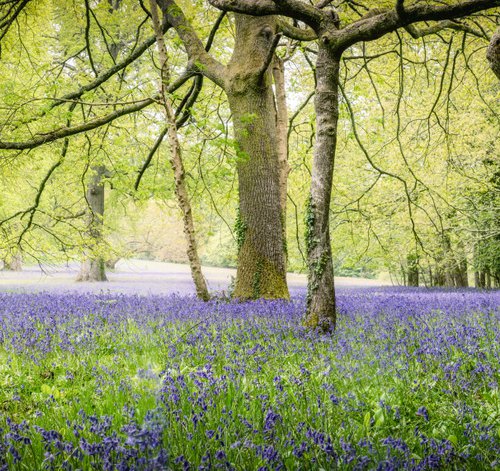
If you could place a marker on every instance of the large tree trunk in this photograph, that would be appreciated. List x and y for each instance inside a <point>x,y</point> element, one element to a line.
<point>181,190</point>
<point>93,266</point>
<point>261,260</point>
<point>321,290</point>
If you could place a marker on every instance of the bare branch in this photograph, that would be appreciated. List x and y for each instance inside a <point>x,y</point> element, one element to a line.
<point>61,133</point>
<point>297,9</point>
<point>441,25</point>
<point>150,156</point>
<point>294,32</point>
<point>373,27</point>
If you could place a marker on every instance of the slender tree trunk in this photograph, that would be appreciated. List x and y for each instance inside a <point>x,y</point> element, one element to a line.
<point>261,260</point>
<point>92,267</point>
<point>181,190</point>
<point>487,283</point>
<point>281,133</point>
<point>321,290</point>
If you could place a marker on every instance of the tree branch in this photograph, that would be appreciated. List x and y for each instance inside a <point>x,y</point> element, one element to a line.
<point>11,15</point>
<point>61,133</point>
<point>293,32</point>
<point>205,63</point>
<point>150,156</point>
<point>101,78</point>
<point>441,25</point>
<point>297,9</point>
<point>269,57</point>
<point>373,27</point>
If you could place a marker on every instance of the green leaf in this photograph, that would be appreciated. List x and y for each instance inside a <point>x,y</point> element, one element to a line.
<point>367,419</point>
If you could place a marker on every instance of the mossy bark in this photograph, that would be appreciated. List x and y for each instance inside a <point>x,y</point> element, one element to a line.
<point>261,260</point>
<point>321,289</point>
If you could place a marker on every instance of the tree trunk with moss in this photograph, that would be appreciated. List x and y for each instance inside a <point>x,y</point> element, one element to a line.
<point>261,259</point>
<point>321,289</point>
<point>247,81</point>
<point>93,266</point>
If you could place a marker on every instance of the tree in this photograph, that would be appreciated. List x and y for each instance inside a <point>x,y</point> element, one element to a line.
<point>247,83</point>
<point>255,126</point>
<point>333,41</point>
<point>177,163</point>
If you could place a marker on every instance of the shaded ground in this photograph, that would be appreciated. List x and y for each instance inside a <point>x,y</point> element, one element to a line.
<point>142,277</point>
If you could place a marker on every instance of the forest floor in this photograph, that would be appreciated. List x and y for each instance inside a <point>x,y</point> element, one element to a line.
<point>143,277</point>
<point>409,381</point>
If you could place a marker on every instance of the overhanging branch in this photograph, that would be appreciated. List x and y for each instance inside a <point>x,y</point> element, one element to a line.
<point>61,133</point>
<point>373,27</point>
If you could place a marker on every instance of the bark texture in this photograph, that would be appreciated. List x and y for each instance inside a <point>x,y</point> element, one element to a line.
<point>281,132</point>
<point>321,290</point>
<point>493,53</point>
<point>181,190</point>
<point>93,266</point>
<point>261,262</point>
